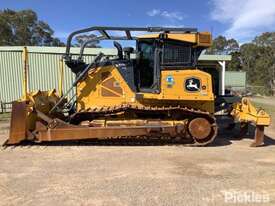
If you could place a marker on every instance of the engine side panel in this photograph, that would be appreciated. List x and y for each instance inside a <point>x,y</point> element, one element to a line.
<point>103,87</point>
<point>106,87</point>
<point>192,88</point>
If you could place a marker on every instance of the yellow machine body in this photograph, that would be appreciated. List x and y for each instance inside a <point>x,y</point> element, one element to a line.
<point>106,87</point>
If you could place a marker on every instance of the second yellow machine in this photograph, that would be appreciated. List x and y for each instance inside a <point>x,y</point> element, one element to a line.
<point>161,93</point>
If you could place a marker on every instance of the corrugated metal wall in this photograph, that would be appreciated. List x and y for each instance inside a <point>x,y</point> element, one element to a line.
<point>10,75</point>
<point>44,72</point>
<point>43,69</point>
<point>235,80</point>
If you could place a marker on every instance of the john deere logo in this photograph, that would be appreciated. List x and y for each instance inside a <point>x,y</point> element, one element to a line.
<point>192,84</point>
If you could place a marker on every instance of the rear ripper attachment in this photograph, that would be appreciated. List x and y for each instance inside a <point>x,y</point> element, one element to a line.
<point>245,113</point>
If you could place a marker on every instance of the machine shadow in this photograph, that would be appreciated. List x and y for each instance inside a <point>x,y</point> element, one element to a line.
<point>134,143</point>
<point>228,135</point>
<point>222,139</point>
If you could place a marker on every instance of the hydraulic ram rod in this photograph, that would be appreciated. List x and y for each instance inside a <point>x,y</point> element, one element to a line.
<point>79,77</point>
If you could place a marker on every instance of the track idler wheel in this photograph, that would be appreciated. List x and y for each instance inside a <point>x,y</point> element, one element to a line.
<point>200,129</point>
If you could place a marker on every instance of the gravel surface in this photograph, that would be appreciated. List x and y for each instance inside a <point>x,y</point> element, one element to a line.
<point>224,173</point>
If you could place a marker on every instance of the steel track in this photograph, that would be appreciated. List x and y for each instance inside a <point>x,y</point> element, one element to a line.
<point>170,113</point>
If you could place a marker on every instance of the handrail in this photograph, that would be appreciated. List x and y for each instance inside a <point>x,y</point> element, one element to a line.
<point>127,30</point>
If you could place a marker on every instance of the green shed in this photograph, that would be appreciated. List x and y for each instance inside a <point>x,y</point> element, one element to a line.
<point>235,80</point>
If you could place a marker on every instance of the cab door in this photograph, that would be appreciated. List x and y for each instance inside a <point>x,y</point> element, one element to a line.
<point>148,66</point>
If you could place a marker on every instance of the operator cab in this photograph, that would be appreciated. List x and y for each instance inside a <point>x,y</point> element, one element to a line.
<point>166,49</point>
<point>156,54</point>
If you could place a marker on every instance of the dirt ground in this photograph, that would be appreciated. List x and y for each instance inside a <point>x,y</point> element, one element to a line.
<point>227,172</point>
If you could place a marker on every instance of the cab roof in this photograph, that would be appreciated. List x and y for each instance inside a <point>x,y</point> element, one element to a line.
<point>203,39</point>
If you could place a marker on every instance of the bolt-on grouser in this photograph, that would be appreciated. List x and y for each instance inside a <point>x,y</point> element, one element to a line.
<point>153,91</point>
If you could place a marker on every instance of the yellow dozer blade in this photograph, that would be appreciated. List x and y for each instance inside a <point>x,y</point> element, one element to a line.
<point>245,113</point>
<point>24,115</point>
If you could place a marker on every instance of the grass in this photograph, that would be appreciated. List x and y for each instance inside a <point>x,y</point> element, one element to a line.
<point>268,108</point>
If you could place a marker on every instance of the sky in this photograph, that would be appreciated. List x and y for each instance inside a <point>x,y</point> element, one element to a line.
<point>239,19</point>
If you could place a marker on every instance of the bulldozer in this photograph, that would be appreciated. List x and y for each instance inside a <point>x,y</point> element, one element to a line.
<point>153,91</point>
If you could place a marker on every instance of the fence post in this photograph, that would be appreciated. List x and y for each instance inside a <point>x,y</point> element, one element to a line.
<point>2,109</point>
<point>61,77</point>
<point>26,72</point>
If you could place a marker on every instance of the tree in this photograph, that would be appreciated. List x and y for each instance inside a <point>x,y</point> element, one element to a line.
<point>235,64</point>
<point>218,45</point>
<point>19,28</point>
<point>221,45</point>
<point>83,38</point>
<point>257,61</point>
<point>231,46</point>
<point>256,58</point>
<point>267,39</point>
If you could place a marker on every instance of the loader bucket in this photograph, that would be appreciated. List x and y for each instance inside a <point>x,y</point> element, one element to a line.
<point>18,123</point>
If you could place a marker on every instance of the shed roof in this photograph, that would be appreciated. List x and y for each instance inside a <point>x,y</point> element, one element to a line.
<point>208,57</point>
